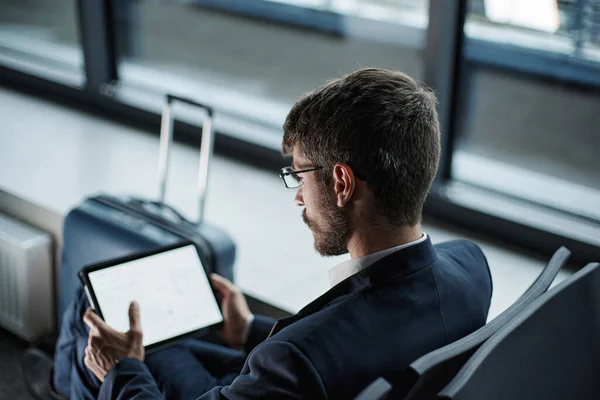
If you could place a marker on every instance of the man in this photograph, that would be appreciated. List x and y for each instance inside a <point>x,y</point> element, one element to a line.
<point>365,151</point>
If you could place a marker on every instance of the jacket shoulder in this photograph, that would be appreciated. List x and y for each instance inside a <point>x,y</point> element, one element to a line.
<point>469,257</point>
<point>462,251</point>
<point>460,246</point>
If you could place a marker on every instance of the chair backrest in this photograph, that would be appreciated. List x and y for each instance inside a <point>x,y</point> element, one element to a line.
<point>550,351</point>
<point>426,376</point>
<point>377,390</point>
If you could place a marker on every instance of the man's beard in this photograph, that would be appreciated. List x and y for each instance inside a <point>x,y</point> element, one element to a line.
<point>331,231</point>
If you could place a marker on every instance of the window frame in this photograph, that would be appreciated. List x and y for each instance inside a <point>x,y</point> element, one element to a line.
<point>98,87</point>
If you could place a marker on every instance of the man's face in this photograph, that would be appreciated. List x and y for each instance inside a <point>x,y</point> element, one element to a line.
<point>329,223</point>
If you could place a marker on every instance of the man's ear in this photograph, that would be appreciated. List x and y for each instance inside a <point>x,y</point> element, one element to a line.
<point>344,183</point>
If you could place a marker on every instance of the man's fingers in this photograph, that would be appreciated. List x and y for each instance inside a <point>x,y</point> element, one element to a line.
<point>96,344</point>
<point>87,317</point>
<point>96,323</point>
<point>91,363</point>
<point>92,320</point>
<point>86,359</point>
<point>221,285</point>
<point>135,326</point>
<point>134,316</point>
<point>219,280</point>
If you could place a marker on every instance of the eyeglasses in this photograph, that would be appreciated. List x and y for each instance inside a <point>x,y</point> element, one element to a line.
<point>290,177</point>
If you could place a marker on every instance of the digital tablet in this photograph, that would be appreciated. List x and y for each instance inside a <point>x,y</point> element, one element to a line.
<point>170,285</point>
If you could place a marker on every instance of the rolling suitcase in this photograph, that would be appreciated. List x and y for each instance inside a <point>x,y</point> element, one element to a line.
<point>105,227</point>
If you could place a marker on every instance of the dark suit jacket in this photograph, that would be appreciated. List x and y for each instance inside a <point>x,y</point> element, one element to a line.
<point>372,324</point>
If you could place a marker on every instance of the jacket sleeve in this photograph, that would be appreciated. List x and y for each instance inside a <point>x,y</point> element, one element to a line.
<point>129,379</point>
<point>259,331</point>
<point>275,370</point>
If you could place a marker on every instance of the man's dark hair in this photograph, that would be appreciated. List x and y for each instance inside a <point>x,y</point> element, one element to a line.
<point>381,123</point>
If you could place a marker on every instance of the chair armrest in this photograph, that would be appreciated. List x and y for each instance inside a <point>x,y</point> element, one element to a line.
<point>260,307</point>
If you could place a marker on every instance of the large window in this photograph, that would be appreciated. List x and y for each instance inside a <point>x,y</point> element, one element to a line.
<point>44,32</point>
<point>529,104</point>
<point>518,83</point>
<point>262,65</point>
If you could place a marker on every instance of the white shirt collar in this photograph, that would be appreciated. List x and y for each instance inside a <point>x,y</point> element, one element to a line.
<point>354,265</point>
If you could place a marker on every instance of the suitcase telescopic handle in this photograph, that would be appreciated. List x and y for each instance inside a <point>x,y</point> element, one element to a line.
<point>166,141</point>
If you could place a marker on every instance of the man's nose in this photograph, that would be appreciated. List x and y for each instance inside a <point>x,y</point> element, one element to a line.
<point>299,199</point>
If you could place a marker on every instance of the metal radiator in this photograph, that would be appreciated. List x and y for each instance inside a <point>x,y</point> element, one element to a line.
<point>26,284</point>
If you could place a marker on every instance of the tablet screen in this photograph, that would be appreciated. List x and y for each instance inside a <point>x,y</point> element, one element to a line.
<point>171,288</point>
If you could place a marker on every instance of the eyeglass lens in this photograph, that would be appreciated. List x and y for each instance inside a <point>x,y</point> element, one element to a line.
<point>291,180</point>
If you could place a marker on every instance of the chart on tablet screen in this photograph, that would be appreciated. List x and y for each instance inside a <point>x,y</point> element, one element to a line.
<point>171,288</point>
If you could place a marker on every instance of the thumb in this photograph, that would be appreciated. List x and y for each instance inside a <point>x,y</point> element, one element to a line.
<point>221,285</point>
<point>134,316</point>
<point>219,281</point>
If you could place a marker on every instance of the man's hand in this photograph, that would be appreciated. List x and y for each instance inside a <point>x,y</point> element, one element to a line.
<point>106,345</point>
<point>236,313</point>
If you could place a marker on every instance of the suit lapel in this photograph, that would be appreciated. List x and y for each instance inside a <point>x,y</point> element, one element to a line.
<point>395,265</point>
<point>335,293</point>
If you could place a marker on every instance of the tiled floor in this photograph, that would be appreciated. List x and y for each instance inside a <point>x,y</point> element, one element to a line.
<point>54,156</point>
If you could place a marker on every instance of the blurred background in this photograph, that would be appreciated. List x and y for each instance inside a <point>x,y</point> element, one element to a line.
<point>518,90</point>
<point>82,83</point>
